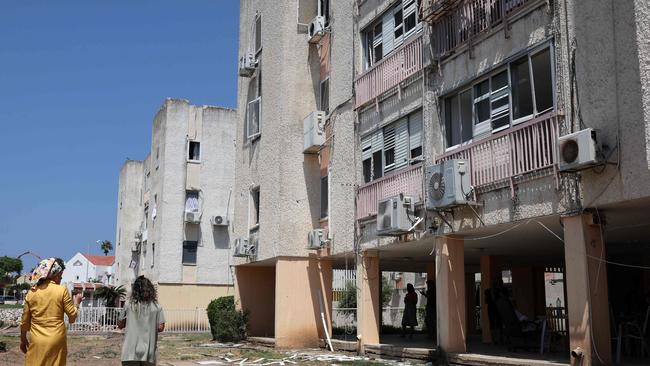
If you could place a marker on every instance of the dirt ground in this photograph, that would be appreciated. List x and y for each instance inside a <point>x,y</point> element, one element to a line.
<point>173,350</point>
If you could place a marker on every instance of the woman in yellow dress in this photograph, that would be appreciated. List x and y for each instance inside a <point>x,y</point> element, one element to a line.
<point>43,311</point>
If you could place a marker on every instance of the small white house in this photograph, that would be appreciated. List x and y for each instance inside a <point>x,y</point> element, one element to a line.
<point>89,268</point>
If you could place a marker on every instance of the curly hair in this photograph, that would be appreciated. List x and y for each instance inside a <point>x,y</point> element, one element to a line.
<point>143,291</point>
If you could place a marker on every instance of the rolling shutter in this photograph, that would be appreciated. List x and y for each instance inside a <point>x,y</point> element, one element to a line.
<point>387,33</point>
<point>415,130</point>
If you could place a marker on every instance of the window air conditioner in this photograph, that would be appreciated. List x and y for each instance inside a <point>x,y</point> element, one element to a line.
<point>219,220</point>
<point>315,239</point>
<point>314,133</point>
<point>317,29</point>
<point>247,64</point>
<point>447,184</point>
<point>579,150</point>
<point>138,235</point>
<point>135,247</point>
<point>395,215</point>
<point>192,217</point>
<point>145,235</point>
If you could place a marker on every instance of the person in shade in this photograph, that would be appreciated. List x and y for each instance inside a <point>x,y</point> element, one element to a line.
<point>143,319</point>
<point>43,316</point>
<point>430,317</point>
<point>410,317</point>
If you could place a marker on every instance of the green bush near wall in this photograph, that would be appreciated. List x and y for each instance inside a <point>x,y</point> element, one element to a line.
<point>227,324</point>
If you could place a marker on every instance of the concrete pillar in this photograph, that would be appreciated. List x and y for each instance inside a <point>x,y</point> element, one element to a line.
<point>587,294</point>
<point>488,272</point>
<point>450,293</point>
<point>431,270</point>
<point>303,288</point>
<point>255,293</point>
<point>368,301</point>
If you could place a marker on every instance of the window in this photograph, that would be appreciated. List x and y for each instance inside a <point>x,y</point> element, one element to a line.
<point>194,151</point>
<point>157,156</point>
<point>146,215</point>
<point>518,92</point>
<point>324,197</point>
<point>192,203</point>
<point>325,96</point>
<point>254,118</point>
<point>390,31</point>
<point>393,147</point>
<point>255,206</point>
<point>189,252</point>
<point>324,8</point>
<point>153,254</point>
<point>258,33</point>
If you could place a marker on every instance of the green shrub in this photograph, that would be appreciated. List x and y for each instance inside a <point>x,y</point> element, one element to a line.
<point>227,324</point>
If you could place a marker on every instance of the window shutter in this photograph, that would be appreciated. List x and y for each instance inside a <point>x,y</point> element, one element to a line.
<point>371,144</point>
<point>387,33</point>
<point>415,130</point>
<point>401,143</point>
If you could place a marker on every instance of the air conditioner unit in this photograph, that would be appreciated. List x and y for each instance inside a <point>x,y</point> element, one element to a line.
<point>315,239</point>
<point>241,247</point>
<point>395,215</point>
<point>314,133</point>
<point>245,247</point>
<point>192,217</point>
<point>138,235</point>
<point>247,64</point>
<point>219,220</point>
<point>145,235</point>
<point>579,150</point>
<point>317,29</point>
<point>447,184</point>
<point>135,247</point>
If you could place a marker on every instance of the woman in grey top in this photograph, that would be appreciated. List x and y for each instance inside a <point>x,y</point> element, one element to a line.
<point>143,319</point>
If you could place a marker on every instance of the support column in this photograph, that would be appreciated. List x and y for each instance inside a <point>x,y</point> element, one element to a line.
<point>586,281</point>
<point>368,302</point>
<point>302,288</point>
<point>450,293</point>
<point>431,270</point>
<point>488,272</point>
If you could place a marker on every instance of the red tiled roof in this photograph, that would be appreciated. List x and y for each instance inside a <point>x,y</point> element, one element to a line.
<point>101,260</point>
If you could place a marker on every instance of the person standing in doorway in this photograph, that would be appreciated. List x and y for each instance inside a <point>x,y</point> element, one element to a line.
<point>410,317</point>
<point>430,309</point>
<point>143,319</point>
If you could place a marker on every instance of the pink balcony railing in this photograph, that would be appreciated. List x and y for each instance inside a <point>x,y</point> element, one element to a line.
<point>407,181</point>
<point>526,148</point>
<point>471,17</point>
<point>389,72</point>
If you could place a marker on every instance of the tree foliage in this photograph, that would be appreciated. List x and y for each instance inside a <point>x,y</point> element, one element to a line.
<point>106,246</point>
<point>10,266</point>
<point>227,324</point>
<point>386,291</point>
<point>112,295</point>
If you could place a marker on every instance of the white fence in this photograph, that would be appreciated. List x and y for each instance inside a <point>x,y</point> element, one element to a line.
<point>96,320</point>
<point>391,316</point>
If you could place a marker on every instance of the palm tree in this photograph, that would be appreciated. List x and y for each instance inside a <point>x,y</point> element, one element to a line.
<point>112,295</point>
<point>106,246</point>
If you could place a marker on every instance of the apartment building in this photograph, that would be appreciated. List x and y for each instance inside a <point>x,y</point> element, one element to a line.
<point>175,206</point>
<point>495,145</point>
<point>294,165</point>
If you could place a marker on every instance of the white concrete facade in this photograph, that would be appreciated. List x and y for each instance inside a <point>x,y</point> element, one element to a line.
<point>152,227</point>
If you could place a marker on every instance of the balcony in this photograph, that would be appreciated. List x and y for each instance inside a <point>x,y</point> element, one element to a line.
<point>389,72</point>
<point>524,150</point>
<point>408,181</point>
<point>457,22</point>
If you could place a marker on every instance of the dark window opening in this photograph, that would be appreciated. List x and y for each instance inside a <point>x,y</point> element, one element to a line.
<point>389,156</point>
<point>377,169</point>
<point>325,95</point>
<point>189,252</point>
<point>399,26</point>
<point>255,196</point>
<point>416,153</point>
<point>543,79</point>
<point>324,208</point>
<point>367,170</point>
<point>258,33</point>
<point>194,152</point>
<point>522,98</point>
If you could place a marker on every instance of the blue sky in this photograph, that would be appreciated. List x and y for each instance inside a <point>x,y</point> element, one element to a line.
<point>80,82</point>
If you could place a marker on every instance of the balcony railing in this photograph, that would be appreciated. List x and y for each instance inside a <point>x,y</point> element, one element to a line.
<point>456,26</point>
<point>407,181</point>
<point>389,72</point>
<point>524,149</point>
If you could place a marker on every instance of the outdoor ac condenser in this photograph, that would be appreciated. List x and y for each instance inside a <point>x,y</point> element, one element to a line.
<point>192,217</point>
<point>315,239</point>
<point>317,29</point>
<point>447,184</point>
<point>219,220</point>
<point>247,64</point>
<point>395,215</point>
<point>241,247</point>
<point>314,132</point>
<point>579,150</point>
